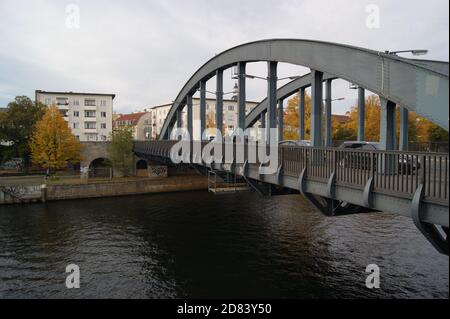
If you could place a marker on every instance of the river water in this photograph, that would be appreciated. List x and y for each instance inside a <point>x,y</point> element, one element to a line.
<point>197,245</point>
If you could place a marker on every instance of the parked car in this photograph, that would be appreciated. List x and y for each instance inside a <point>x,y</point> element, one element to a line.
<point>294,143</point>
<point>406,163</point>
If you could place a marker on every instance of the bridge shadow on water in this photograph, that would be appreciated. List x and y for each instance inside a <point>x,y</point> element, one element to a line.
<point>204,246</point>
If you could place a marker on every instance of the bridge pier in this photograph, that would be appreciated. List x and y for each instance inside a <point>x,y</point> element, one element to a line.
<point>361,114</point>
<point>301,115</point>
<point>316,108</point>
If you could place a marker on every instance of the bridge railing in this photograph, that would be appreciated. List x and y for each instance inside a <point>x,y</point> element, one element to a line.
<point>392,172</point>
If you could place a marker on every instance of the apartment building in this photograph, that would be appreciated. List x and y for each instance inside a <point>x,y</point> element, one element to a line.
<point>140,122</point>
<point>159,114</point>
<point>89,115</point>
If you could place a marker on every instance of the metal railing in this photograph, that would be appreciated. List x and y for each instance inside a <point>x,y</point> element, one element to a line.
<point>393,172</point>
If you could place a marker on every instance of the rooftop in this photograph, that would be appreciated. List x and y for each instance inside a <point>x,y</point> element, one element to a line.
<point>133,117</point>
<point>74,93</point>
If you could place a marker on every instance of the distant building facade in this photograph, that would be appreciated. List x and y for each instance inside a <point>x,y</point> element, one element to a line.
<point>89,115</point>
<point>159,114</point>
<point>140,122</point>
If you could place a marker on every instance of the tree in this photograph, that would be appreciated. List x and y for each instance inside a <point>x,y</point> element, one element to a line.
<point>291,118</point>
<point>17,125</point>
<point>121,150</point>
<point>53,146</point>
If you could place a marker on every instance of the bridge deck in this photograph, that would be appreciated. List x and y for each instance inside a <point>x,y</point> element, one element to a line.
<point>394,174</point>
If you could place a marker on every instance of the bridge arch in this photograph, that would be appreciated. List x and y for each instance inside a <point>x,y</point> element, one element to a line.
<point>419,86</point>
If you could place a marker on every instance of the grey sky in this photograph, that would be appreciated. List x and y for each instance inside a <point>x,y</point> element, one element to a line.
<point>144,51</point>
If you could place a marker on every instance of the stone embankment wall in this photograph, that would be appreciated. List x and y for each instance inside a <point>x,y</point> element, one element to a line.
<point>108,189</point>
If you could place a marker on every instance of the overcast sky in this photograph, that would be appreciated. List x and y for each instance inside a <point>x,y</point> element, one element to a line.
<point>144,51</point>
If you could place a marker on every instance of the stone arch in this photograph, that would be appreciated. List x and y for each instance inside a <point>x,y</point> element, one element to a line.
<point>141,164</point>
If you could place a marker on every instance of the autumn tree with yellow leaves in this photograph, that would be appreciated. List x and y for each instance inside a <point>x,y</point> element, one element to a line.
<point>53,146</point>
<point>419,129</point>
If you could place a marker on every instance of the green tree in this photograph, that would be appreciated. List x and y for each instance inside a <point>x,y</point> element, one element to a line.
<point>120,150</point>
<point>17,124</point>
<point>437,133</point>
<point>52,145</point>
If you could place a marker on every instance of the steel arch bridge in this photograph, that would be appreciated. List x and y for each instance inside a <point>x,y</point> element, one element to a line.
<point>338,177</point>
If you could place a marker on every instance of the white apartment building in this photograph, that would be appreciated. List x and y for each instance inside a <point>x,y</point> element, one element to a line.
<point>89,115</point>
<point>159,114</point>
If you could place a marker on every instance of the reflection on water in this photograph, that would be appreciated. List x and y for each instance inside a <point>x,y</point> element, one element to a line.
<point>200,245</point>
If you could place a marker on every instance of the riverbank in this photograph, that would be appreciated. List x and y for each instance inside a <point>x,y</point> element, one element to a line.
<point>67,190</point>
<point>124,188</point>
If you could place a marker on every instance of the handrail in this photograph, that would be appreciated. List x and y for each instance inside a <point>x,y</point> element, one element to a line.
<point>392,172</point>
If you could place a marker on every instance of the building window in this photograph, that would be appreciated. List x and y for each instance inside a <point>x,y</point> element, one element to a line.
<point>89,125</point>
<point>103,125</point>
<point>89,114</point>
<point>91,137</point>
<point>103,103</point>
<point>76,102</point>
<point>89,102</point>
<point>76,114</point>
<point>76,125</point>
<point>48,101</point>
<point>103,114</point>
<point>64,113</point>
<point>62,101</point>
<point>77,137</point>
<point>230,108</point>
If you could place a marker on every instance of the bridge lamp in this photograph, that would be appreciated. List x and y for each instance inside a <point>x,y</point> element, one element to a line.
<point>413,52</point>
<point>337,99</point>
<point>290,78</point>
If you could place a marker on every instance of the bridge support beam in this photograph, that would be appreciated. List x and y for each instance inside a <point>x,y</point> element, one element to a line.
<point>280,120</point>
<point>361,114</point>
<point>202,108</point>
<point>271,97</point>
<point>301,115</point>
<point>219,100</point>
<point>179,118</point>
<point>316,108</point>
<point>403,145</point>
<point>189,118</point>
<point>387,124</point>
<point>328,113</point>
<point>262,127</point>
<point>241,95</point>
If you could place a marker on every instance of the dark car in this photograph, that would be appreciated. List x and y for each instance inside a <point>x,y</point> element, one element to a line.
<point>406,163</point>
